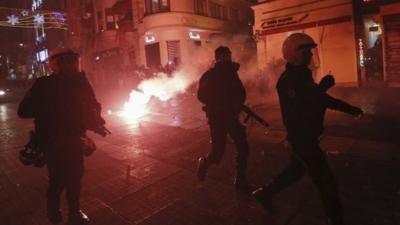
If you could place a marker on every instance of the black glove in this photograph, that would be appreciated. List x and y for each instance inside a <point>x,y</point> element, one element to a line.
<point>327,82</point>
<point>236,65</point>
<point>355,111</point>
<point>101,130</point>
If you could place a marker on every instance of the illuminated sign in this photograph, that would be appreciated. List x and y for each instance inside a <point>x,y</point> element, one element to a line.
<point>361,51</point>
<point>149,38</point>
<point>282,21</point>
<point>42,55</point>
<point>194,35</point>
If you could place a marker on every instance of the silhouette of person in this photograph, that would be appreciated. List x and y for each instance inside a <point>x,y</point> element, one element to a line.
<point>64,107</point>
<point>223,94</point>
<point>303,105</point>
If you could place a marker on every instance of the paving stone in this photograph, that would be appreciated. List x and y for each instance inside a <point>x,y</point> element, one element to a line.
<point>106,216</point>
<point>143,204</point>
<point>180,213</point>
<point>336,145</point>
<point>145,173</point>
<point>375,150</point>
<point>115,188</point>
<point>275,136</point>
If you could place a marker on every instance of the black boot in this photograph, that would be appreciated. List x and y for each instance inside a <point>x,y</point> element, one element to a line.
<point>78,218</point>
<point>202,167</point>
<point>264,196</point>
<point>241,182</point>
<point>53,208</point>
<point>54,216</point>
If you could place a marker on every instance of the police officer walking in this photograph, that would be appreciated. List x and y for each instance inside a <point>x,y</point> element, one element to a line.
<point>64,107</point>
<point>303,104</point>
<point>223,94</point>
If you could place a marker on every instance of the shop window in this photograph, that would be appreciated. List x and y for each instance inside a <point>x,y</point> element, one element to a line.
<point>200,7</point>
<point>372,48</point>
<point>157,6</point>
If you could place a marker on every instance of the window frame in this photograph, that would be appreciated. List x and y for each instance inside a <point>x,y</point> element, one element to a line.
<point>200,7</point>
<point>217,11</point>
<point>149,4</point>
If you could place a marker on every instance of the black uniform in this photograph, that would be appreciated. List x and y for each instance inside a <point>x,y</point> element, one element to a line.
<point>223,94</point>
<point>61,107</point>
<point>303,105</point>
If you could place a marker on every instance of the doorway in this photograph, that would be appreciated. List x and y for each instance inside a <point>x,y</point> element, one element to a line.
<point>373,50</point>
<point>153,56</point>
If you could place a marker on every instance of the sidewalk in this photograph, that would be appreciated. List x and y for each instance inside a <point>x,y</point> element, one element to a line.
<point>145,173</point>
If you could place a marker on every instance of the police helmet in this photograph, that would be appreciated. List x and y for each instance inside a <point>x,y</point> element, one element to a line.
<point>222,51</point>
<point>294,44</point>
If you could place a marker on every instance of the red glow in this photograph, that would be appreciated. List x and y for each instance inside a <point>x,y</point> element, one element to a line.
<point>162,86</point>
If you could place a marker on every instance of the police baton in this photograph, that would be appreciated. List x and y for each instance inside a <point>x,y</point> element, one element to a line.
<point>251,114</point>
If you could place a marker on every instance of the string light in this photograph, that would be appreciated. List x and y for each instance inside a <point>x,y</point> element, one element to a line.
<point>24,12</point>
<point>13,20</point>
<point>38,19</point>
<point>49,20</point>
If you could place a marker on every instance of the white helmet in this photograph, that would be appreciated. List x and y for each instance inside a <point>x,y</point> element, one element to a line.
<point>292,46</point>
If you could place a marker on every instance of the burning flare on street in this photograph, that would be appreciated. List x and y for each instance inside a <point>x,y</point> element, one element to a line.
<point>162,86</point>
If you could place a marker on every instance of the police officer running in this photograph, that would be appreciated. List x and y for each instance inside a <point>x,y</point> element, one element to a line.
<point>223,94</point>
<point>64,107</point>
<point>303,105</point>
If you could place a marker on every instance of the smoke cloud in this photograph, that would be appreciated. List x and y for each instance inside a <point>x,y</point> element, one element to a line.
<point>164,87</point>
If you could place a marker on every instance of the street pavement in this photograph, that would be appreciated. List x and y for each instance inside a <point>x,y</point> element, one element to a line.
<point>144,172</point>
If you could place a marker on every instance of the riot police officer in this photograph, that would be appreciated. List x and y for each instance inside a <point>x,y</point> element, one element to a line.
<point>223,94</point>
<point>64,107</point>
<point>303,104</point>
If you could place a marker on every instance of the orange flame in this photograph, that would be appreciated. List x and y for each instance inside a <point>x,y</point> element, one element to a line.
<point>136,106</point>
<point>162,87</point>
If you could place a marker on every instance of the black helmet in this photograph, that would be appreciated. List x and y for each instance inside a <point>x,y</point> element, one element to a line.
<point>222,51</point>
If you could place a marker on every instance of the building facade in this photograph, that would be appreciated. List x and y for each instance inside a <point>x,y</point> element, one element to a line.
<point>356,39</point>
<point>115,36</point>
<point>105,34</point>
<point>170,31</point>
